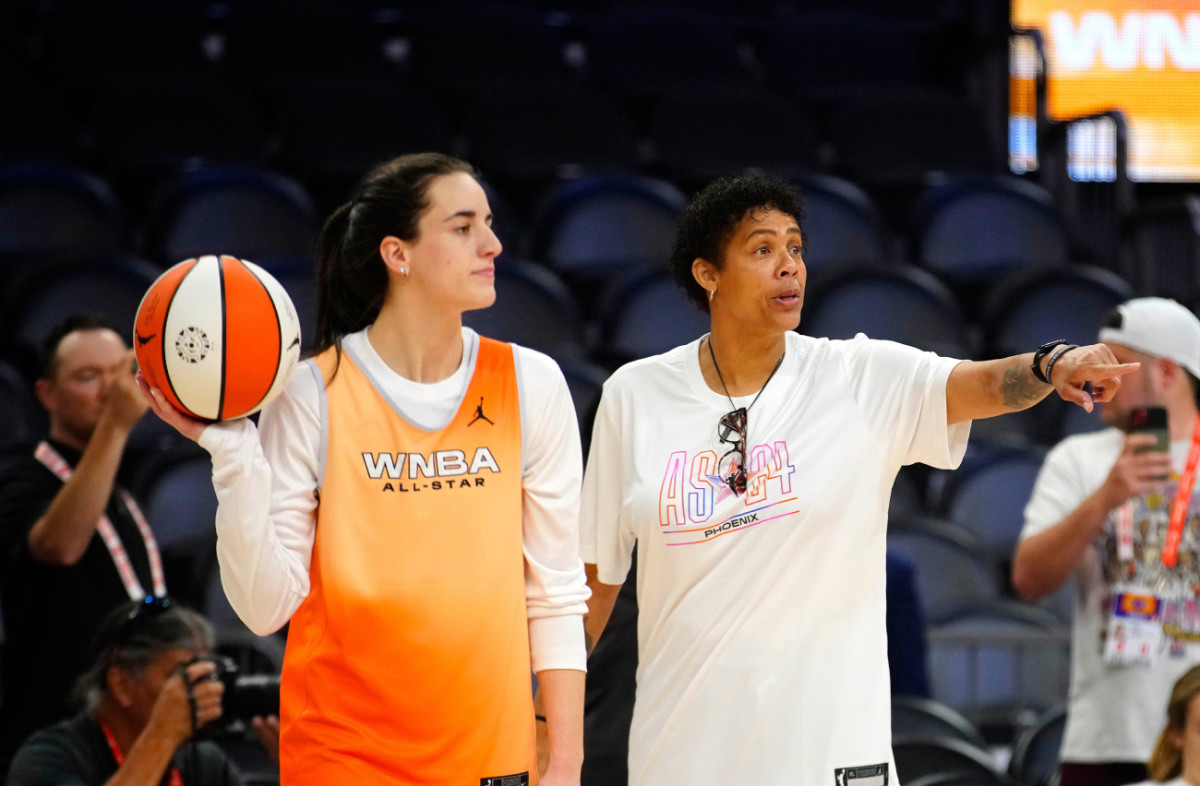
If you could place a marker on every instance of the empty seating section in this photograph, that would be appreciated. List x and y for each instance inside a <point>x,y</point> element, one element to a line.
<point>150,133</point>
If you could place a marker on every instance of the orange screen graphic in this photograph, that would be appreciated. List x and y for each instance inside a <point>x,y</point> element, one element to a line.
<point>1137,56</point>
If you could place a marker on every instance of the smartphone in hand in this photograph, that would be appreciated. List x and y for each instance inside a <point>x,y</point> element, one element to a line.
<point>1151,420</point>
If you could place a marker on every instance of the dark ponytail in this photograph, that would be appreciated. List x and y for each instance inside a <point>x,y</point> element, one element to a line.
<point>352,280</point>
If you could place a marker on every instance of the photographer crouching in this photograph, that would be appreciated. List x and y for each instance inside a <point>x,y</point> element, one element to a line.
<point>149,690</point>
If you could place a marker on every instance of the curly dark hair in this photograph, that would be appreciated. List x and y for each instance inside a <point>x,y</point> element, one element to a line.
<point>712,217</point>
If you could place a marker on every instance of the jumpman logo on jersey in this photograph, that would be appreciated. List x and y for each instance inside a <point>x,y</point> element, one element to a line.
<point>479,414</point>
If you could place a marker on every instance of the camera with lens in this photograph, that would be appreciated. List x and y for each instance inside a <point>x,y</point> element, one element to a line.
<point>245,696</point>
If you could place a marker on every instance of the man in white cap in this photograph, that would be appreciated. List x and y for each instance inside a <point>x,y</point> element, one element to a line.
<point>1121,518</point>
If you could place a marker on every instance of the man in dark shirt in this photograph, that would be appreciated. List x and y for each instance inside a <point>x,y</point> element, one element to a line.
<point>146,697</point>
<point>73,545</point>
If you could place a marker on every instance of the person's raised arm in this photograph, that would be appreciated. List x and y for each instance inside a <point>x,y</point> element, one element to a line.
<point>989,388</point>
<point>62,534</point>
<point>1044,561</point>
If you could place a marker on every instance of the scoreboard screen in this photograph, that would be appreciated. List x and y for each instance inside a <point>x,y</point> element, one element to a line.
<point>1137,56</point>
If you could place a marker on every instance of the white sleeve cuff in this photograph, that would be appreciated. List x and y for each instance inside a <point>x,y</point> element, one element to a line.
<point>557,643</point>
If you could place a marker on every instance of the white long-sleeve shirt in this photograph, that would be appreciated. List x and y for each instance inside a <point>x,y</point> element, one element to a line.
<point>267,481</point>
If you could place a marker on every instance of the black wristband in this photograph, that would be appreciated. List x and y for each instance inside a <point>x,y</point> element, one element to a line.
<point>1041,352</point>
<point>1062,350</point>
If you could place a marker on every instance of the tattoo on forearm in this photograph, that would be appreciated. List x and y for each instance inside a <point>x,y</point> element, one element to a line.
<point>1019,388</point>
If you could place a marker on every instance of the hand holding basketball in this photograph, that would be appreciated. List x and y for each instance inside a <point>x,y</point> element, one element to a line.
<point>217,337</point>
<point>188,427</point>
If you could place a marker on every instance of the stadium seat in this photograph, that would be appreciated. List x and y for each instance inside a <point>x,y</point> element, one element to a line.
<point>649,315</point>
<point>921,757</point>
<point>978,228</point>
<point>952,571</point>
<point>533,308</point>
<point>897,303</point>
<point>177,496</point>
<point>842,226</point>
<point>109,287</point>
<point>1068,302</point>
<point>246,213</point>
<point>607,223</point>
<point>1036,752</point>
<point>701,132</point>
<point>913,716</point>
<point>898,137</point>
<point>51,209</point>
<point>994,661</point>
<point>988,499</point>
<point>537,130</point>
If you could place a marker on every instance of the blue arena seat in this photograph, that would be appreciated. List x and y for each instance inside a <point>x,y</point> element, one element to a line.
<point>951,569</point>
<point>897,303</point>
<point>914,716</point>
<point>843,226</point>
<point>649,315</point>
<point>988,499</point>
<point>921,757</point>
<point>607,223</point>
<point>533,308</point>
<point>975,228</point>
<point>247,213</point>
<point>110,287</point>
<point>994,661</point>
<point>1067,302</point>
<point>1036,752</point>
<point>49,209</point>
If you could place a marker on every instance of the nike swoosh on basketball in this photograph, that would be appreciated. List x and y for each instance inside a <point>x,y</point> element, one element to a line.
<point>144,341</point>
<point>295,341</point>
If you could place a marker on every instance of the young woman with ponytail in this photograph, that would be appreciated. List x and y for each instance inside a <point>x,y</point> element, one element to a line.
<point>1176,757</point>
<point>409,504</point>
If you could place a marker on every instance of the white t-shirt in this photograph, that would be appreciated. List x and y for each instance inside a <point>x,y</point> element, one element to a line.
<point>266,482</point>
<point>1173,782</point>
<point>1114,713</point>
<point>761,636</point>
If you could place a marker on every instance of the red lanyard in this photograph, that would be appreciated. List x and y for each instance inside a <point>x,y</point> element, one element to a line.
<point>1183,497</point>
<point>176,778</point>
<point>52,461</point>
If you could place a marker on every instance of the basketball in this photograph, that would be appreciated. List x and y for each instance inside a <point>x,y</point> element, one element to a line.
<point>218,336</point>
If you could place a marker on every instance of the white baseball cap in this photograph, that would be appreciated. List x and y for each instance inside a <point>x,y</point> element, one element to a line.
<point>1157,326</point>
